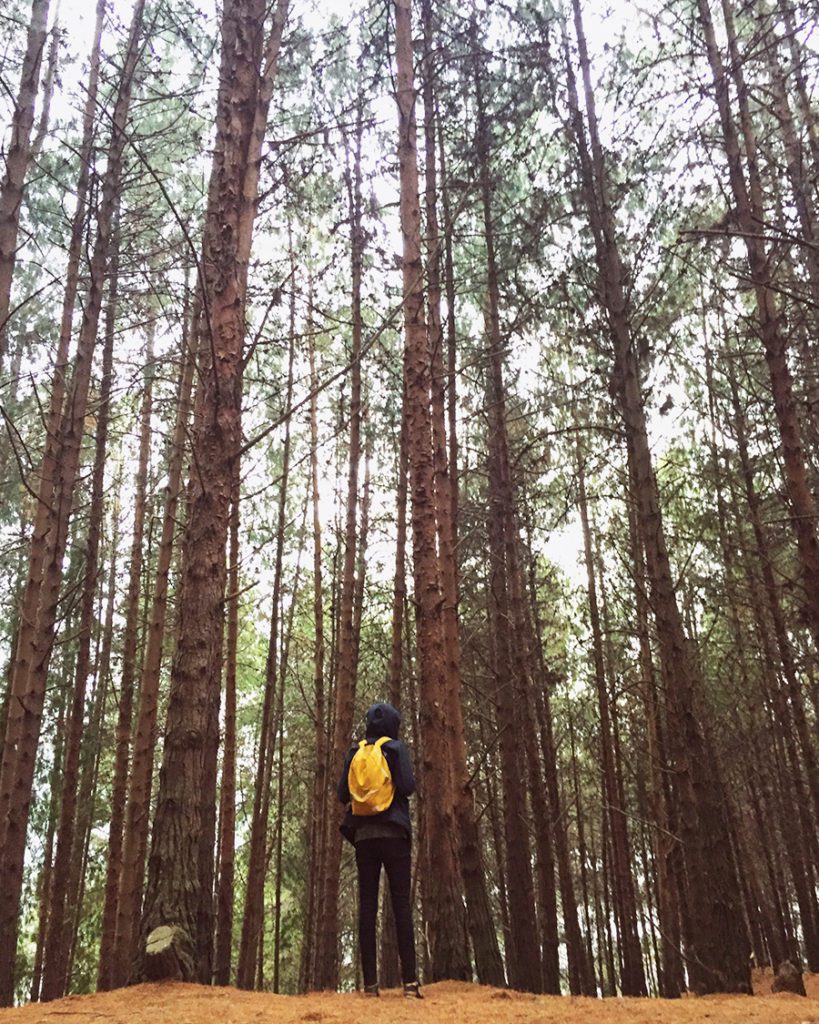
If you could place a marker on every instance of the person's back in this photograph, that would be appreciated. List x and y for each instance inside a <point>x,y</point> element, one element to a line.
<point>382,837</point>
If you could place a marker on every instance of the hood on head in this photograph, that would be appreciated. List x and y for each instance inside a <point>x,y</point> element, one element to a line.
<point>382,720</point>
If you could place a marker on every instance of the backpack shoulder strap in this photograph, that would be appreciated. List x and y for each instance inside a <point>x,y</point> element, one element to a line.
<point>380,743</point>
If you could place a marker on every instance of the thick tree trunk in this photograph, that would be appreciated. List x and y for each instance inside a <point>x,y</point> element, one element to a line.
<point>40,601</point>
<point>449,957</point>
<point>17,158</point>
<point>178,890</point>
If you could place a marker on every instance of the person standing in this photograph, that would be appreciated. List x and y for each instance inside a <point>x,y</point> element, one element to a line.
<point>376,783</point>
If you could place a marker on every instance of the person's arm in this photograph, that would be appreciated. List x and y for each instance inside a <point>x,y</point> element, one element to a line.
<point>403,775</point>
<point>343,788</point>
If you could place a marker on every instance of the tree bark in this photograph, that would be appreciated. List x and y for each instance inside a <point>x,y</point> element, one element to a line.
<point>178,889</point>
<point>44,880</point>
<point>581,976</point>
<point>125,701</point>
<point>285,646</point>
<point>523,959</point>
<point>318,808</point>
<point>137,810</point>
<point>227,799</point>
<point>345,680</point>
<point>488,961</point>
<point>57,946</point>
<point>40,601</point>
<point>633,981</point>
<point>746,188</point>
<point>17,159</point>
<point>798,54</point>
<point>252,936</point>
<point>449,958</point>
<point>671,975</point>
<point>717,958</point>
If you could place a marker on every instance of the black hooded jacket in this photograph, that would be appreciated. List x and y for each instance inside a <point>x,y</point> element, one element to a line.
<point>382,720</point>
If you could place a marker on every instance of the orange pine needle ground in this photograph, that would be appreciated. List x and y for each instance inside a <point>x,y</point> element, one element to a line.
<point>445,1003</point>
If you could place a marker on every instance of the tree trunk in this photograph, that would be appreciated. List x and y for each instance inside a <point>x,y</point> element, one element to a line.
<point>57,947</point>
<point>49,79</point>
<point>488,961</point>
<point>44,880</point>
<point>389,970</point>
<point>318,808</point>
<point>671,975</point>
<point>523,959</point>
<point>125,702</point>
<point>252,937</point>
<point>399,589</point>
<point>345,681</point>
<point>227,799</point>
<point>795,719</point>
<point>633,980</point>
<point>718,960</point>
<point>285,652</point>
<point>449,958</point>
<point>17,158</point>
<point>746,188</point>
<point>48,464</point>
<point>36,637</point>
<point>177,893</point>
<point>797,167</point>
<point>798,55</point>
<point>581,974</point>
<point>137,810</point>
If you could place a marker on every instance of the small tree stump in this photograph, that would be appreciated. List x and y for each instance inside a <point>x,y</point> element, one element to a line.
<point>788,979</point>
<point>169,955</point>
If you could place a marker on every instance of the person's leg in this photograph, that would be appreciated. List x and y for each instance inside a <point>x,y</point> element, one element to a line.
<point>368,863</point>
<point>397,862</point>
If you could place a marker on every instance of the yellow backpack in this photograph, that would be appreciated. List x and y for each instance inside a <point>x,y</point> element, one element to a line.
<point>370,779</point>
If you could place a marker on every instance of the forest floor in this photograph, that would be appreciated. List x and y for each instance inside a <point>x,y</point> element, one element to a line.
<point>445,1003</point>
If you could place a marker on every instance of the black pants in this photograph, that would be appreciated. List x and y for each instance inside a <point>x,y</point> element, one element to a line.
<point>395,855</point>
